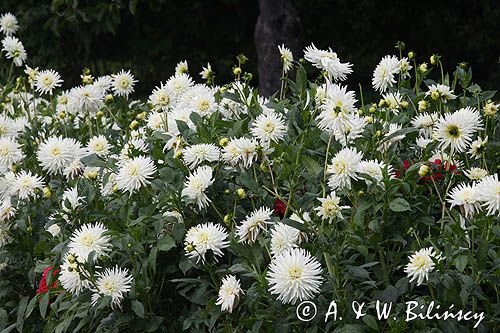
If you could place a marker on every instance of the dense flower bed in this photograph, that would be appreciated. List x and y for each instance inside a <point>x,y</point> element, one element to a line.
<point>212,208</point>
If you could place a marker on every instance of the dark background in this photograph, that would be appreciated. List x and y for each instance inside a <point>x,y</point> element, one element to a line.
<point>151,36</point>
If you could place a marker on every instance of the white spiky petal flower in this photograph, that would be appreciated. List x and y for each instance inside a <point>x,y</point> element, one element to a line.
<point>113,282</point>
<point>421,264</point>
<point>442,91</point>
<point>384,74</point>
<point>343,168</point>
<point>70,277</point>
<point>294,276</point>
<point>476,173</point>
<point>269,127</point>
<point>10,152</point>
<point>89,238</point>
<point>196,154</point>
<point>25,185</point>
<point>201,238</point>
<point>286,57</point>
<point>455,130</point>
<point>330,207</point>
<point>99,145</point>
<point>135,173</point>
<point>488,192</point>
<point>229,293</point>
<point>57,153</point>
<point>14,50</point>
<point>284,238</point>
<point>374,169</point>
<point>329,61</point>
<point>8,24</point>
<point>47,80</point>
<point>465,196</point>
<point>123,83</point>
<point>161,98</point>
<point>250,227</point>
<point>196,184</point>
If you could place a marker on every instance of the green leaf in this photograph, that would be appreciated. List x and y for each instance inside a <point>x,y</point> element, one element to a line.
<point>138,308</point>
<point>359,272</point>
<point>461,262</point>
<point>312,166</point>
<point>43,305</point>
<point>399,205</point>
<point>402,131</point>
<point>166,243</point>
<point>296,225</point>
<point>132,6</point>
<point>20,313</point>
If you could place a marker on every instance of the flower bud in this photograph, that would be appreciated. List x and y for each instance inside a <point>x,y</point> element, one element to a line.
<point>99,114</point>
<point>227,219</point>
<point>223,142</point>
<point>382,103</point>
<point>178,154</point>
<point>115,188</point>
<point>411,55</point>
<point>433,59</point>
<point>435,95</point>
<point>141,116</point>
<point>62,114</point>
<point>237,71</point>
<point>241,193</point>
<point>189,248</point>
<point>369,119</point>
<point>92,174</point>
<point>423,171</point>
<point>404,104</point>
<point>109,98</point>
<point>372,109</point>
<point>361,193</point>
<point>227,191</point>
<point>134,124</point>
<point>490,109</point>
<point>378,134</point>
<point>422,106</point>
<point>46,192</point>
<point>423,68</point>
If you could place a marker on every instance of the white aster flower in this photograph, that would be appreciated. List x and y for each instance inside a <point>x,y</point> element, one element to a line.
<point>284,238</point>
<point>196,184</point>
<point>113,282</point>
<point>14,50</point>
<point>161,98</point>
<point>57,153</point>
<point>89,238</point>
<point>476,173</point>
<point>404,68</point>
<point>422,142</point>
<point>74,201</point>
<point>201,238</point>
<point>242,150</point>
<point>25,185</point>
<point>374,169</point>
<point>286,57</point>
<point>182,67</point>
<point>47,80</point>
<point>269,127</point>
<point>123,83</point>
<point>196,154</point>
<point>156,121</point>
<point>229,293</point>
<point>250,227</point>
<point>329,61</point>
<point>86,99</point>
<point>10,152</point>
<point>440,91</point>
<point>384,74</point>
<point>393,128</point>
<point>8,24</point>
<point>54,229</point>
<point>7,211</point>
<point>206,72</point>
<point>425,122</point>
<point>179,84</point>
<point>330,207</point>
<point>421,264</point>
<point>393,101</point>
<point>135,173</point>
<point>70,277</point>
<point>294,276</point>
<point>99,145</point>
<point>455,130</point>
<point>476,147</point>
<point>343,168</point>
<point>488,192</point>
<point>465,196</point>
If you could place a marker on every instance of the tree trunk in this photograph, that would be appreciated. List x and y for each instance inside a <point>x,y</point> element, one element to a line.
<point>277,23</point>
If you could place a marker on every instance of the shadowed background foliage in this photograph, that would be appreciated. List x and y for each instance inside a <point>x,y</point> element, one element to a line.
<point>151,36</point>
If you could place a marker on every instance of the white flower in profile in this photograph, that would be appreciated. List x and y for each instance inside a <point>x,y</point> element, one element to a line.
<point>286,57</point>
<point>196,154</point>
<point>330,207</point>
<point>440,91</point>
<point>123,83</point>
<point>294,276</point>
<point>283,238</point>
<point>201,238</point>
<point>246,148</point>
<point>425,122</point>
<point>10,152</point>
<point>353,128</point>
<point>161,98</point>
<point>476,173</point>
<point>384,74</point>
<point>200,99</point>
<point>56,153</point>
<point>8,24</point>
<point>179,84</point>
<point>393,100</point>
<point>14,50</point>
<point>135,173</point>
<point>229,293</point>
<point>89,238</point>
<point>54,229</point>
<point>182,67</point>
<point>393,128</point>
<point>269,127</point>
<point>103,83</point>
<point>72,198</point>
<point>25,185</point>
<point>113,282</point>
<point>329,61</point>
<point>250,227</point>
<point>196,184</point>
<point>343,168</point>
<point>70,277</point>
<point>455,130</point>
<point>207,72</point>
<point>404,68</point>
<point>7,211</point>
<point>86,99</point>
<point>465,196</point>
<point>421,263</point>
<point>47,80</point>
<point>488,192</point>
<point>156,121</point>
<point>108,186</point>
<point>374,169</point>
<point>99,145</point>
<point>476,147</point>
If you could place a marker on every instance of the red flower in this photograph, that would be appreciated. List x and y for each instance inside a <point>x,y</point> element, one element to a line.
<point>406,164</point>
<point>42,287</point>
<point>279,208</point>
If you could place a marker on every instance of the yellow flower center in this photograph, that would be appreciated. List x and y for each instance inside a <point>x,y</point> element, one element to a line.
<point>88,240</point>
<point>295,272</point>
<point>453,131</point>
